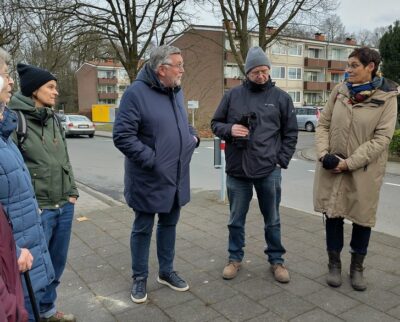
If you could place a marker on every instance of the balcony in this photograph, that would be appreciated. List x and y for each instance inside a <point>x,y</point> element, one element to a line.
<point>107,81</point>
<point>315,63</point>
<point>230,57</point>
<point>315,86</point>
<point>232,82</point>
<point>337,64</point>
<point>331,85</point>
<point>113,96</point>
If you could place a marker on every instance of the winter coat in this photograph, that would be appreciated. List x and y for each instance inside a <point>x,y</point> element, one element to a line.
<point>272,125</point>
<point>152,131</point>
<point>45,154</point>
<point>361,133</point>
<point>18,199</point>
<point>11,294</point>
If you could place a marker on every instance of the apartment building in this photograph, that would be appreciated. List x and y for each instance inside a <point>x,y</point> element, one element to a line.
<point>100,82</point>
<point>308,69</point>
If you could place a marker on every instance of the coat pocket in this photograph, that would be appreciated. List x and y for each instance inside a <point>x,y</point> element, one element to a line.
<point>41,181</point>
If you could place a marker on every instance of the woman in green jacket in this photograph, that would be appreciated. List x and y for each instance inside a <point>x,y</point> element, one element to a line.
<point>45,153</point>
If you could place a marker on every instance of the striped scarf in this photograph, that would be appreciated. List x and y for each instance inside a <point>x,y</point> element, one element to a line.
<point>360,92</point>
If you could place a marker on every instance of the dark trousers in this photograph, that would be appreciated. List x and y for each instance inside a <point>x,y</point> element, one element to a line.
<point>334,236</point>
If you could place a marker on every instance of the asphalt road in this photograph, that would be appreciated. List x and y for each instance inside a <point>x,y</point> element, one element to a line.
<point>98,164</point>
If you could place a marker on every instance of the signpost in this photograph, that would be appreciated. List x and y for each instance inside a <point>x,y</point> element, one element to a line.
<point>192,105</point>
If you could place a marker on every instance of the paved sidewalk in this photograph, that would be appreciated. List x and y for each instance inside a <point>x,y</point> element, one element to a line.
<point>97,281</point>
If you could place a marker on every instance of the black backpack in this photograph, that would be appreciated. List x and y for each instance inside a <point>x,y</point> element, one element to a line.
<point>22,128</point>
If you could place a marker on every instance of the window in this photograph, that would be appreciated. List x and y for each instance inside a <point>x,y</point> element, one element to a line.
<point>295,50</point>
<point>232,71</point>
<point>314,53</point>
<point>336,78</point>
<point>279,49</point>
<point>106,89</point>
<point>312,76</point>
<point>294,73</point>
<point>312,98</point>
<point>106,73</point>
<point>107,101</point>
<point>278,72</point>
<point>295,95</point>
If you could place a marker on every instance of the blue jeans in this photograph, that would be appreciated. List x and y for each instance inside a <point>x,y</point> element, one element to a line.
<point>360,236</point>
<point>57,225</point>
<point>240,193</point>
<point>141,237</point>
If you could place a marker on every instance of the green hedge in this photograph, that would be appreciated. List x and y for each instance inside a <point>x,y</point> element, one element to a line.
<point>395,143</point>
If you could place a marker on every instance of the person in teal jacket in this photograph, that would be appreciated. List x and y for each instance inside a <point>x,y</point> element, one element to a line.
<point>45,153</point>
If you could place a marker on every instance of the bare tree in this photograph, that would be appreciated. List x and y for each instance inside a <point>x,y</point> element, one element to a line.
<point>244,16</point>
<point>10,26</point>
<point>370,38</point>
<point>333,28</point>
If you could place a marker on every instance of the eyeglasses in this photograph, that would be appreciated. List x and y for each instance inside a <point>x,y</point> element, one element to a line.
<point>353,66</point>
<point>259,72</point>
<point>179,66</point>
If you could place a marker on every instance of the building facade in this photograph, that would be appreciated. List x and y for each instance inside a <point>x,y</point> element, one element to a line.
<point>100,82</point>
<point>308,69</point>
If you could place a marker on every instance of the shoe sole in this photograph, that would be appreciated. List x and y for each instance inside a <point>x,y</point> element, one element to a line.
<point>159,280</point>
<point>138,301</point>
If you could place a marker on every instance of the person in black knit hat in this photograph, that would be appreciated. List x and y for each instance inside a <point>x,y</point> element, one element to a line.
<point>45,153</point>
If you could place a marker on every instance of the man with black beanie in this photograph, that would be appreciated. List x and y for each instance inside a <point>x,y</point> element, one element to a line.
<point>45,153</point>
<point>258,123</point>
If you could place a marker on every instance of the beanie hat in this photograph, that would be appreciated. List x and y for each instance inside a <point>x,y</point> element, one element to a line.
<point>256,57</point>
<point>32,78</point>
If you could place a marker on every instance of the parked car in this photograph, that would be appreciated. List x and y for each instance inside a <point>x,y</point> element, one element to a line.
<point>307,117</point>
<point>77,125</point>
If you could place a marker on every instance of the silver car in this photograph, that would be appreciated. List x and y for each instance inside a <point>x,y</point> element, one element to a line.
<point>307,117</point>
<point>77,125</point>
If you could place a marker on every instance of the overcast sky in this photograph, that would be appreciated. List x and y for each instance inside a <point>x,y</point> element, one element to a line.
<point>355,14</point>
<point>368,14</point>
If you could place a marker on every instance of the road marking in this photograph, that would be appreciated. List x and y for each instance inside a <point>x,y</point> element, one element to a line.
<point>311,171</point>
<point>392,184</point>
<point>210,147</point>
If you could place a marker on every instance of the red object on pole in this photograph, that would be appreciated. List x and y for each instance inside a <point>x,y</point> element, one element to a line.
<point>222,145</point>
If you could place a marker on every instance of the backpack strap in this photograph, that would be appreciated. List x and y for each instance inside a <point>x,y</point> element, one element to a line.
<point>22,129</point>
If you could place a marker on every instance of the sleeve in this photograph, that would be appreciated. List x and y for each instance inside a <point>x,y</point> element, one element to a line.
<point>8,303</point>
<point>219,125</point>
<point>125,133</point>
<point>289,133</point>
<point>371,149</point>
<point>324,124</point>
<point>74,190</point>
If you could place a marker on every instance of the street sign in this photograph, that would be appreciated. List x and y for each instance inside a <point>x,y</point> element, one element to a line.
<point>193,104</point>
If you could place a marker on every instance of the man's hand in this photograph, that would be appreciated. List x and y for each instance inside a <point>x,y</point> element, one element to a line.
<point>239,130</point>
<point>25,260</point>
<point>72,200</point>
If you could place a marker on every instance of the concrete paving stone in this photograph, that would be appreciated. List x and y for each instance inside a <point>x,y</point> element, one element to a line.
<point>192,311</point>
<point>396,290</point>
<point>268,316</point>
<point>316,315</point>
<point>192,235</point>
<point>109,285</point>
<point>87,229</point>
<point>364,313</point>
<point>197,277</point>
<point>81,250</point>
<point>90,275</point>
<point>117,302</point>
<point>332,301</point>
<point>384,250</point>
<point>182,244</point>
<point>381,280</point>
<point>125,240</point>
<point>382,263</point>
<point>99,241</point>
<point>86,261</point>
<point>85,307</point>
<point>220,319</point>
<point>395,312</point>
<point>143,313</point>
<point>308,238</point>
<point>292,257</point>
<point>287,305</point>
<point>213,265</point>
<point>121,262</point>
<point>257,288</point>
<point>385,239</point>
<point>112,249</point>
<point>120,233</point>
<point>239,308</point>
<point>300,285</point>
<point>210,243</point>
<point>166,297</point>
<point>182,226</point>
<point>315,254</point>
<point>379,299</point>
<point>214,292</point>
<point>309,269</point>
<point>194,253</point>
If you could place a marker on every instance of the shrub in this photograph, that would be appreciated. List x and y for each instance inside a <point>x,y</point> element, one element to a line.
<point>394,146</point>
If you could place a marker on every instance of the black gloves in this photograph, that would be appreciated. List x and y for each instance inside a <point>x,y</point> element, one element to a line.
<point>330,161</point>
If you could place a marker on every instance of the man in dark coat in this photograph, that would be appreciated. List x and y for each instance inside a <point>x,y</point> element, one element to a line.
<point>153,133</point>
<point>258,123</point>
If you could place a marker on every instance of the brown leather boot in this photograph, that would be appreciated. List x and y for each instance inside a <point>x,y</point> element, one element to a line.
<point>231,270</point>
<point>281,273</point>
<point>334,277</point>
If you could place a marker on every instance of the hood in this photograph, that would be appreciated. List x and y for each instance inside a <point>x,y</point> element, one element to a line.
<point>8,124</point>
<point>149,77</point>
<point>21,102</point>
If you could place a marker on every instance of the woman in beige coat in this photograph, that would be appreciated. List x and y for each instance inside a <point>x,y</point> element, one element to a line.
<point>352,140</point>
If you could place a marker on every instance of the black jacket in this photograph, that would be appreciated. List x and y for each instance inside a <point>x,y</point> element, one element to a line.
<point>273,129</point>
